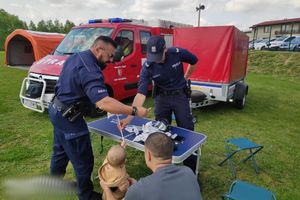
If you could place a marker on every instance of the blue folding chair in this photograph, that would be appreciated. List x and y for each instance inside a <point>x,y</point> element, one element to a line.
<point>240,190</point>
<point>241,144</point>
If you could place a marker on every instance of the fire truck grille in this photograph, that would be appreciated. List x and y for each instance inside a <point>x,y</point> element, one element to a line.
<point>50,85</point>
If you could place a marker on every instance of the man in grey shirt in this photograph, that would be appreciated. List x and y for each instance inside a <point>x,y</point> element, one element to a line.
<point>168,181</point>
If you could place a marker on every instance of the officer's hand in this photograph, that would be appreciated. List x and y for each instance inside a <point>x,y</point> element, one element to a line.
<point>104,185</point>
<point>131,180</point>
<point>124,122</point>
<point>142,112</point>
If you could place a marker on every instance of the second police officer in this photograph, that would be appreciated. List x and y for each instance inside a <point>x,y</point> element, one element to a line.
<point>165,67</point>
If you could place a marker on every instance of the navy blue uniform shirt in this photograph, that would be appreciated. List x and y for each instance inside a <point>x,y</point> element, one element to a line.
<point>168,75</point>
<point>81,78</point>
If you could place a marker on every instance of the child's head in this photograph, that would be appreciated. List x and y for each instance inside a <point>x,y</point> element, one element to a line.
<point>116,156</point>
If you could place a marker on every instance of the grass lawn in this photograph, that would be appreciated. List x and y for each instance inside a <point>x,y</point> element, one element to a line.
<point>271,118</point>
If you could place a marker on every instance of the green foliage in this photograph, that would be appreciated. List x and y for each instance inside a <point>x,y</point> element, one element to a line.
<point>8,23</point>
<point>42,26</point>
<point>59,27</point>
<point>32,26</point>
<point>271,118</point>
<point>1,58</point>
<point>55,27</point>
<point>68,26</point>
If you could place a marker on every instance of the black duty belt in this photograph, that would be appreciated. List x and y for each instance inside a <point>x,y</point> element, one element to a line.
<point>172,92</point>
<point>58,105</point>
<point>71,112</point>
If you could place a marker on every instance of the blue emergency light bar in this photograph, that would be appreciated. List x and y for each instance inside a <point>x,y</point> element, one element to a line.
<point>92,21</point>
<point>109,20</point>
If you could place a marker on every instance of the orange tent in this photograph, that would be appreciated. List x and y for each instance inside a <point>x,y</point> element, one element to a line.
<point>23,47</point>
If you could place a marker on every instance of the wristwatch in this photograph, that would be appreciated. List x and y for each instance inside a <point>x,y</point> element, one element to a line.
<point>134,110</point>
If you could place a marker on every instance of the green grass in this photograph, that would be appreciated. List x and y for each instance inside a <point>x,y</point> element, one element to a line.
<point>275,63</point>
<point>1,58</point>
<point>271,118</point>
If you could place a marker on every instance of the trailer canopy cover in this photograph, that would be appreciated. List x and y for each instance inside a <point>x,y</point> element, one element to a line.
<point>23,47</point>
<point>222,52</point>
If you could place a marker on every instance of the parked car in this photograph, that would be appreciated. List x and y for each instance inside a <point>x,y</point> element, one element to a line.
<point>297,47</point>
<point>274,45</point>
<point>262,45</point>
<point>291,45</point>
<point>252,43</point>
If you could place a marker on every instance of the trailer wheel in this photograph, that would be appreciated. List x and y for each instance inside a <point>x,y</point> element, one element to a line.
<point>197,96</point>
<point>240,93</point>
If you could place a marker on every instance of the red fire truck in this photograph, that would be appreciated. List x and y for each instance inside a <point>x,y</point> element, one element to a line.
<point>121,78</point>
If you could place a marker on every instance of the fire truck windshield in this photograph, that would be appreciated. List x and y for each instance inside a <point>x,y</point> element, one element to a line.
<point>80,39</point>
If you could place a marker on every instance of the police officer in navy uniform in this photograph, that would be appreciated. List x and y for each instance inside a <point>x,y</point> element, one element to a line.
<point>81,83</point>
<point>165,67</point>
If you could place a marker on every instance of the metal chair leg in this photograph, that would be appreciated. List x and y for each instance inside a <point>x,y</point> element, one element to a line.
<point>252,154</point>
<point>228,157</point>
<point>254,162</point>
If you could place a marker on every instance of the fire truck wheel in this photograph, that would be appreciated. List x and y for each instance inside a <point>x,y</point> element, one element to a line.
<point>240,93</point>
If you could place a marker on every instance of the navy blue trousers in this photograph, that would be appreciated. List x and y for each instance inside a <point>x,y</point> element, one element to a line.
<point>72,143</point>
<point>179,105</point>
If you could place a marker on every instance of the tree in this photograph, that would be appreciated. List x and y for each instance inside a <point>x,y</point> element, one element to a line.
<point>50,26</point>
<point>59,27</point>
<point>9,23</point>
<point>42,26</point>
<point>32,26</point>
<point>68,26</point>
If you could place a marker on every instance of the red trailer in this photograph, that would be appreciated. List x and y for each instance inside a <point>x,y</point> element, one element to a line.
<point>223,53</point>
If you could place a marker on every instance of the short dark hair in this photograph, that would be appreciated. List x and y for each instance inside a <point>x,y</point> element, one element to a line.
<point>160,145</point>
<point>106,40</point>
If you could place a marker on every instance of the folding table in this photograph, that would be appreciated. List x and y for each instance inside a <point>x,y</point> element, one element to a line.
<point>191,144</point>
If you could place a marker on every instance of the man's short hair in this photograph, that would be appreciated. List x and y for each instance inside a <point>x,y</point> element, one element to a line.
<point>106,40</point>
<point>160,145</point>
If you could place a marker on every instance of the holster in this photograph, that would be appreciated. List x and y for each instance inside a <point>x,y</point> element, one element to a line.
<point>154,90</point>
<point>71,112</point>
<point>188,89</point>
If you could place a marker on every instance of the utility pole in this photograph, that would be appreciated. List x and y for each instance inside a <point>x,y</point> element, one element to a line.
<point>198,9</point>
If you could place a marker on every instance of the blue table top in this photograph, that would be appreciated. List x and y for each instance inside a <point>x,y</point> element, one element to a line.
<point>192,141</point>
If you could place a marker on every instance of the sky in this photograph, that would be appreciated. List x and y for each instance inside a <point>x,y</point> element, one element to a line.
<point>241,13</point>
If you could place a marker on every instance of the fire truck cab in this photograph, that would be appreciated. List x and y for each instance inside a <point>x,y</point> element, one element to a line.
<point>121,78</point>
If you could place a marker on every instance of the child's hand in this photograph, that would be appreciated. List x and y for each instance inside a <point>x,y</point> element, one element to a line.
<point>123,144</point>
